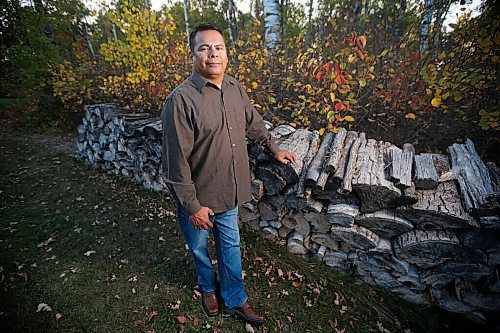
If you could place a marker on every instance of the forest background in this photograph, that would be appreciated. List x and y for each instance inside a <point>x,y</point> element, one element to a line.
<point>389,68</point>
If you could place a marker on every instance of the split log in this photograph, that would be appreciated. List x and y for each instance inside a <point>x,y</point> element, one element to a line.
<point>476,187</point>
<point>257,189</point>
<point>438,208</point>
<point>325,239</point>
<point>275,175</point>
<point>471,295</point>
<point>319,222</point>
<point>313,149</point>
<point>282,131</point>
<point>426,176</point>
<point>356,236</point>
<point>338,260</point>
<point>320,253</point>
<point>342,214</point>
<point>490,222</point>
<point>332,163</point>
<point>307,202</point>
<point>296,220</point>
<point>351,163</point>
<point>370,183</point>
<point>269,232</point>
<point>385,223</point>
<point>426,248</point>
<point>446,299</point>
<point>494,173</point>
<point>338,176</point>
<point>295,243</point>
<point>284,231</point>
<point>401,165</point>
<point>317,164</point>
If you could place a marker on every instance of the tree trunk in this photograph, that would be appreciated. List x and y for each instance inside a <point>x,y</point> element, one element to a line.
<point>425,27</point>
<point>186,18</point>
<point>272,23</point>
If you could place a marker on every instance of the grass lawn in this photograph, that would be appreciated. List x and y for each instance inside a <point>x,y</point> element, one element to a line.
<point>105,255</point>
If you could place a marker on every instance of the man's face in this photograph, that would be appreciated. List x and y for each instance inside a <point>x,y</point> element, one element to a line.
<point>209,57</point>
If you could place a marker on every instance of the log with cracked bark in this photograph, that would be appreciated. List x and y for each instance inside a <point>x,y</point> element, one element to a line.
<point>370,183</point>
<point>476,186</point>
<point>385,223</point>
<point>438,208</point>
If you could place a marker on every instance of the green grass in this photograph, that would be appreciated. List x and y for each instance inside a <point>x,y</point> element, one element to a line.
<point>54,210</point>
<point>12,101</point>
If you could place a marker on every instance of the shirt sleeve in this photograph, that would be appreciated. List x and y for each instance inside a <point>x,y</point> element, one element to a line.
<point>256,129</point>
<point>178,139</point>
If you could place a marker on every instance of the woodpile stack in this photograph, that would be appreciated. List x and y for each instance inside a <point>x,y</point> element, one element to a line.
<point>426,226</point>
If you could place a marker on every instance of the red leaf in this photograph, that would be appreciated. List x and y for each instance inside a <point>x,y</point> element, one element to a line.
<point>338,70</point>
<point>347,105</point>
<point>352,41</point>
<point>338,106</point>
<point>415,57</point>
<point>319,75</point>
<point>340,79</point>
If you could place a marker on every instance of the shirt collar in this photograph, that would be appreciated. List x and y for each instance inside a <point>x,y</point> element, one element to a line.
<point>200,82</point>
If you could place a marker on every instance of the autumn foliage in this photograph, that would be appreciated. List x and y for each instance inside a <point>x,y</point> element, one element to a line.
<point>319,82</point>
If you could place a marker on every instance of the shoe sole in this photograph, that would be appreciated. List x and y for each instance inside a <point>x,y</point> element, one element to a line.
<point>242,316</point>
<point>214,314</point>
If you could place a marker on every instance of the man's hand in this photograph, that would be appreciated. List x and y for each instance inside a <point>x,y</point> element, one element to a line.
<point>200,219</point>
<point>285,156</point>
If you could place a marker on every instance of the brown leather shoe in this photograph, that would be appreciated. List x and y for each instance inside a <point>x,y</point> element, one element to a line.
<point>247,313</point>
<point>210,304</point>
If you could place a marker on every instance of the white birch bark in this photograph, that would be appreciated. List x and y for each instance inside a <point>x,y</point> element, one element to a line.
<point>272,22</point>
<point>426,25</point>
<point>186,18</point>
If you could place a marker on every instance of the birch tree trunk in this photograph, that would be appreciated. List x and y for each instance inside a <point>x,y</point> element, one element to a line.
<point>230,20</point>
<point>186,18</point>
<point>272,23</point>
<point>426,25</point>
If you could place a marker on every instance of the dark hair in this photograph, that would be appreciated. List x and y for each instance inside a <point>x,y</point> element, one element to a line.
<point>202,27</point>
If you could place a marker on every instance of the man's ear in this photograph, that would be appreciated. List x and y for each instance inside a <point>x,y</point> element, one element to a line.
<point>191,58</point>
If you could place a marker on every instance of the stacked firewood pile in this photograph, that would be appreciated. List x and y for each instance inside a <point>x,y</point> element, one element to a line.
<point>425,226</point>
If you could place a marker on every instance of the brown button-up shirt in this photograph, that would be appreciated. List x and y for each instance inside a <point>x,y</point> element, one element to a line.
<point>205,159</point>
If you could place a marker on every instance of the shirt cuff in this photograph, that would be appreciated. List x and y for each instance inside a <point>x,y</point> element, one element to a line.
<point>192,207</point>
<point>273,147</point>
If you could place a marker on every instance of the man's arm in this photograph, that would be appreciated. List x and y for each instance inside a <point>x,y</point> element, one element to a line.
<point>178,139</point>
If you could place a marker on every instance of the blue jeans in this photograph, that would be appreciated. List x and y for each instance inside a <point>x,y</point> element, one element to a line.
<point>227,245</point>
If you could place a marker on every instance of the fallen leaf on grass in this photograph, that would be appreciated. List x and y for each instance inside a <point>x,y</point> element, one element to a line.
<point>182,321</point>
<point>249,328</point>
<point>58,316</point>
<point>153,314</point>
<point>175,306</point>
<point>43,307</point>
<point>89,253</point>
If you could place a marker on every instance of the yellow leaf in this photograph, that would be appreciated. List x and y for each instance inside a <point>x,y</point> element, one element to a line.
<point>436,101</point>
<point>348,118</point>
<point>295,284</point>
<point>372,68</point>
<point>321,131</point>
<point>254,85</point>
<point>410,116</point>
<point>332,97</point>
<point>442,55</point>
<point>428,91</point>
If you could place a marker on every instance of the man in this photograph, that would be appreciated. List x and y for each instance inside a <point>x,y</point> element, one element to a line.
<point>205,164</point>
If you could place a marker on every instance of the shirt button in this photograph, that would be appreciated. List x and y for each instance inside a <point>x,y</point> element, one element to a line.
<point>230,127</point>
<point>234,145</point>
